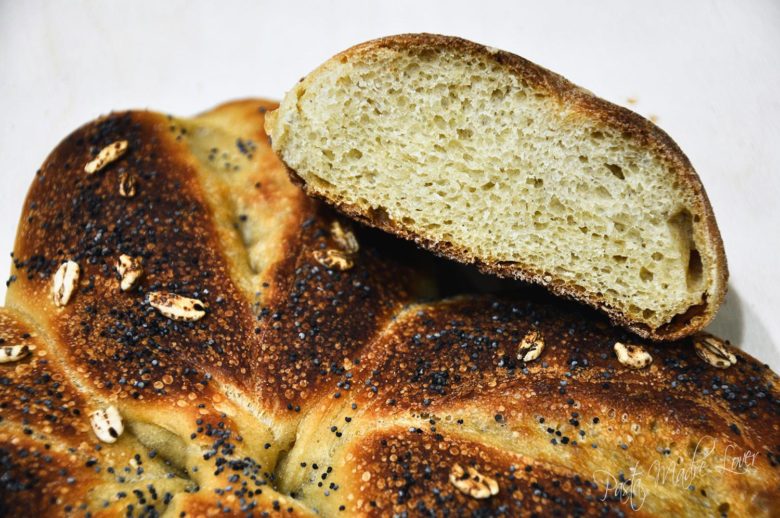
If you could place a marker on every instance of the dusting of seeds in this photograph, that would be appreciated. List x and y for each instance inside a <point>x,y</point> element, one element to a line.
<point>449,372</point>
<point>120,348</point>
<point>432,474</point>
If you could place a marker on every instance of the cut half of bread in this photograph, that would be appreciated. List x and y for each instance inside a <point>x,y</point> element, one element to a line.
<point>489,159</point>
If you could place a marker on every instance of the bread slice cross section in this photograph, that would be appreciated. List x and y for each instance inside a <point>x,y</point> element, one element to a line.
<point>486,158</point>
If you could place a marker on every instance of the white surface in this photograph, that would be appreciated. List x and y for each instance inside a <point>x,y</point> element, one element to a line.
<point>710,71</point>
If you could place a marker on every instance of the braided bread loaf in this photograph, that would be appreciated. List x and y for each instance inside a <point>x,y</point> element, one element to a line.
<point>186,334</point>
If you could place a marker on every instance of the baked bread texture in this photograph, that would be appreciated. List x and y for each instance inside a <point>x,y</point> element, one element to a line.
<point>487,158</point>
<point>187,334</point>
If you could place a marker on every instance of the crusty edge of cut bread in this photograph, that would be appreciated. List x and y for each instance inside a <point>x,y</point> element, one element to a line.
<point>585,104</point>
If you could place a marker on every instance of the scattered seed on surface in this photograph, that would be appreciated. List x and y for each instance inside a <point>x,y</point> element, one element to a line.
<point>129,270</point>
<point>64,283</point>
<point>107,424</point>
<point>107,155</point>
<point>126,184</point>
<point>531,346</point>
<point>333,259</point>
<point>713,350</point>
<point>472,482</point>
<point>344,238</point>
<point>633,356</point>
<point>177,307</point>
<point>13,353</point>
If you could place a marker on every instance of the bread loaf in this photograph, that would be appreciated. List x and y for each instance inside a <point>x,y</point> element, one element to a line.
<point>186,334</point>
<point>487,158</point>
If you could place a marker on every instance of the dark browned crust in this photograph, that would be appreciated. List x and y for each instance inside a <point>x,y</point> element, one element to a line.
<point>237,381</point>
<point>427,463</point>
<point>620,119</point>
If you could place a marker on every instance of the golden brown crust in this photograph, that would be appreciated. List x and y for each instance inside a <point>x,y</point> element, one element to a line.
<point>580,102</point>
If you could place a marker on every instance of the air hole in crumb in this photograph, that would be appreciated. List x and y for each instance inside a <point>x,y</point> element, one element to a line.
<point>694,268</point>
<point>645,274</point>
<point>328,154</point>
<point>648,314</point>
<point>616,170</point>
<point>583,158</point>
<point>620,258</point>
<point>354,154</point>
<point>681,224</point>
<point>465,133</point>
<point>657,256</point>
<point>597,135</point>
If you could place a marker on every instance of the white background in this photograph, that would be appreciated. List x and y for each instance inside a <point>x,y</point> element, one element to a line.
<point>709,70</point>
